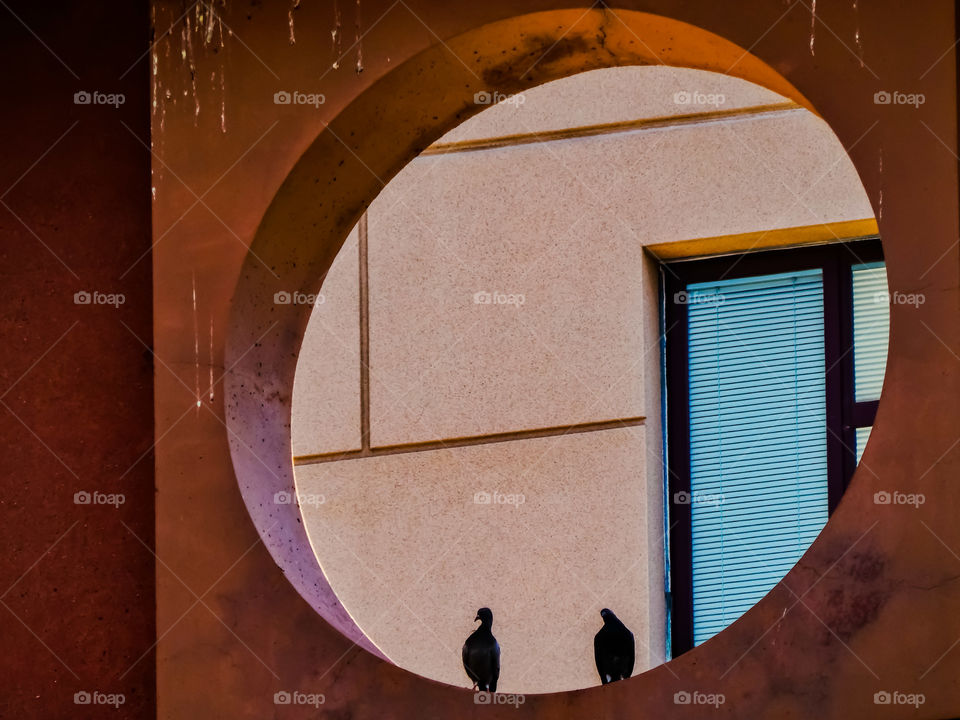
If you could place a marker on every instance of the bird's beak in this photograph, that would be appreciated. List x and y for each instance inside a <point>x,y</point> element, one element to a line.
<point>476,618</point>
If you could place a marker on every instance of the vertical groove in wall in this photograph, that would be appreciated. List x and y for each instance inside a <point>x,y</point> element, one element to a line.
<point>364,338</point>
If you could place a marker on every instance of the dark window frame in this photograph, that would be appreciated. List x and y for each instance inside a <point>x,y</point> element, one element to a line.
<point>844,415</point>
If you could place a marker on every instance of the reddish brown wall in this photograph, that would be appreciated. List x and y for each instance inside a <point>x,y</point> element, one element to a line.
<point>81,415</point>
<point>89,600</point>
<point>877,582</point>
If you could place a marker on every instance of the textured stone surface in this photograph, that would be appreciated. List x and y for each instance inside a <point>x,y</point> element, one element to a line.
<point>412,550</point>
<point>555,345</point>
<point>326,391</point>
<point>611,95</point>
<point>561,226</point>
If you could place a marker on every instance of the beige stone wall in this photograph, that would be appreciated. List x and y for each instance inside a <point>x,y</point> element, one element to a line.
<point>326,388</point>
<point>545,204</point>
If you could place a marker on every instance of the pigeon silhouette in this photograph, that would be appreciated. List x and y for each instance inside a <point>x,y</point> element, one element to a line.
<point>481,654</point>
<point>613,649</point>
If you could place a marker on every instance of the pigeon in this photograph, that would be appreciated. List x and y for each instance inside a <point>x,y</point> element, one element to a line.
<point>481,654</point>
<point>613,649</point>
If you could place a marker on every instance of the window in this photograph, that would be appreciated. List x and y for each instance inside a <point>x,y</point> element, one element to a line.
<point>775,362</point>
<point>871,328</point>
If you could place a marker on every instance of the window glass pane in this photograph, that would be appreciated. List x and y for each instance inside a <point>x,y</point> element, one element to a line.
<point>757,437</point>
<point>871,327</point>
<point>863,434</point>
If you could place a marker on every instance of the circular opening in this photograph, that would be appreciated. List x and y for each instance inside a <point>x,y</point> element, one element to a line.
<point>479,401</point>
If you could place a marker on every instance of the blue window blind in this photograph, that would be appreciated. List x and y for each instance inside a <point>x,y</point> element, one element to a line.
<point>757,403</point>
<point>871,328</point>
<point>863,434</point>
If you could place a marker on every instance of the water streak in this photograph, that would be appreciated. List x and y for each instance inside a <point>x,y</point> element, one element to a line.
<point>210,358</point>
<point>358,41</point>
<point>880,199</point>
<point>193,70</point>
<point>335,35</point>
<point>196,342</point>
<point>856,33</point>
<point>293,33</point>
<point>813,27</point>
